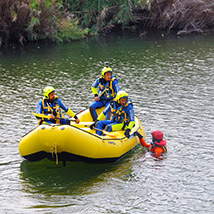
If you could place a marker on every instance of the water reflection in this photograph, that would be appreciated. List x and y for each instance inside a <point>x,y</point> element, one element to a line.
<point>75,178</point>
<point>46,178</point>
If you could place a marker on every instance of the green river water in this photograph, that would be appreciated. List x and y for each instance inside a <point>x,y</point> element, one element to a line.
<point>171,83</point>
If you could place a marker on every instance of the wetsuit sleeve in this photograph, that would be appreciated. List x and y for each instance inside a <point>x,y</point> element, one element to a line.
<point>94,86</point>
<point>94,90</point>
<point>101,116</point>
<point>39,108</point>
<point>131,118</point>
<point>106,110</point>
<point>64,107</point>
<point>116,86</point>
<point>70,113</point>
<point>131,124</point>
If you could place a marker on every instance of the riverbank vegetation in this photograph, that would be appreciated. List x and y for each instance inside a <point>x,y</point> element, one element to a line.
<point>67,20</point>
<point>182,16</point>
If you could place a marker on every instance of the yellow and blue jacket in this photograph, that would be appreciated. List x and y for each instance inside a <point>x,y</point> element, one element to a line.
<point>46,107</point>
<point>106,90</point>
<point>120,113</point>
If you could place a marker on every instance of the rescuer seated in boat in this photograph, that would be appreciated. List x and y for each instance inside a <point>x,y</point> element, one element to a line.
<point>158,145</point>
<point>104,89</point>
<point>51,105</point>
<point>122,115</point>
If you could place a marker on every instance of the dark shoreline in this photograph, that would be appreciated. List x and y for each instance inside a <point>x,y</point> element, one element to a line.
<point>160,17</point>
<point>34,46</point>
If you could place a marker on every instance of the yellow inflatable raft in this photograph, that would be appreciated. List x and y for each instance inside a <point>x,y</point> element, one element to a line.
<point>76,142</point>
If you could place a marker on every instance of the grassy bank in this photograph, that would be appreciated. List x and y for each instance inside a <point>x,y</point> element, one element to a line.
<point>68,20</point>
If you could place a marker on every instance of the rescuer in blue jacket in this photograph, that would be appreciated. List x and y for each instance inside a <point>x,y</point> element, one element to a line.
<point>104,89</point>
<point>122,115</point>
<point>51,105</point>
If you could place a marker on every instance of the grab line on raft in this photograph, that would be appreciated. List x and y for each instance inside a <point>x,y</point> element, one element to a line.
<point>54,150</point>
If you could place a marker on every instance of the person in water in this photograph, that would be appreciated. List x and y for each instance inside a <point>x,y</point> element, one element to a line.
<point>104,89</point>
<point>51,105</point>
<point>122,115</point>
<point>158,145</point>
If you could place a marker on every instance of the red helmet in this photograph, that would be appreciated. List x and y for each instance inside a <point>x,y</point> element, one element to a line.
<point>157,134</point>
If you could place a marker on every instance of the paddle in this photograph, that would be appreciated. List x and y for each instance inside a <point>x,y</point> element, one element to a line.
<point>48,117</point>
<point>103,131</point>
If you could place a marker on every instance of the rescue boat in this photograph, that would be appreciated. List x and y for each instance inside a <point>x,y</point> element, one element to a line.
<point>77,142</point>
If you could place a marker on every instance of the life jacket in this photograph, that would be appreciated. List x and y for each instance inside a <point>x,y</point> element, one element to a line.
<point>54,109</point>
<point>106,89</point>
<point>161,144</point>
<point>118,113</point>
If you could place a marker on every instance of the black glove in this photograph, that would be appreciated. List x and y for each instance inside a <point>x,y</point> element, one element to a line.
<point>94,124</point>
<point>138,134</point>
<point>127,133</point>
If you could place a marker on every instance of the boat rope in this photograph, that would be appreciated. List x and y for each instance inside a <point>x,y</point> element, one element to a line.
<point>54,150</point>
